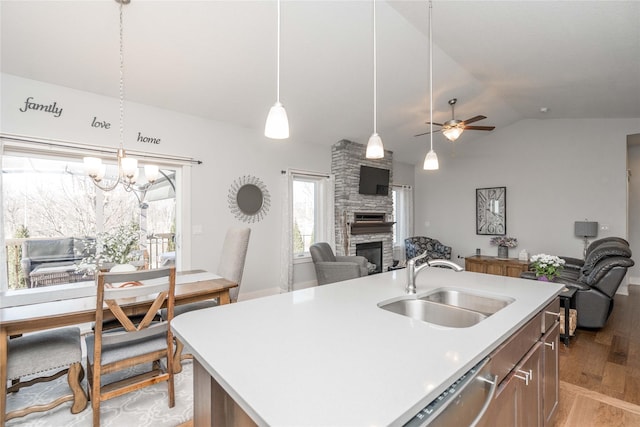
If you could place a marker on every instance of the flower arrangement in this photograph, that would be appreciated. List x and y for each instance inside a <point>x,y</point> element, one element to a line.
<point>548,266</point>
<point>509,242</point>
<point>116,246</point>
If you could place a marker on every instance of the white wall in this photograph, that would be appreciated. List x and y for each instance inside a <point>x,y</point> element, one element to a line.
<point>556,172</point>
<point>403,173</point>
<point>228,152</point>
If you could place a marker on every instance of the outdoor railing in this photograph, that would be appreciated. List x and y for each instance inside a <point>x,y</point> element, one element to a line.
<point>160,248</point>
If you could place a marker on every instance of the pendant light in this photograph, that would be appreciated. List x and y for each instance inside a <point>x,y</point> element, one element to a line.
<point>375,149</point>
<point>431,160</point>
<point>277,125</point>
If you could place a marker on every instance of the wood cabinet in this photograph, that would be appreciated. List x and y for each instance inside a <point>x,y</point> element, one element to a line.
<point>551,379</point>
<point>526,367</point>
<point>511,267</point>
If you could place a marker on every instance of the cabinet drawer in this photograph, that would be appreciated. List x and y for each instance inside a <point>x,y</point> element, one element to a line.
<point>551,315</point>
<point>507,356</point>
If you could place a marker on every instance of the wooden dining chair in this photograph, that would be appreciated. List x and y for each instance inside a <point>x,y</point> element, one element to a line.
<point>144,343</point>
<point>42,357</point>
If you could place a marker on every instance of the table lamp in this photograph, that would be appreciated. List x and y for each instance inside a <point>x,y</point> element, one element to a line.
<point>586,229</point>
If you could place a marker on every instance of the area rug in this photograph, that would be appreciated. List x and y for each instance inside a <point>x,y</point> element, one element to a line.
<point>146,407</point>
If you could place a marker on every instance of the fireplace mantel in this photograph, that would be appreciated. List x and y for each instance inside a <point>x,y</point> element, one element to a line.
<point>371,227</point>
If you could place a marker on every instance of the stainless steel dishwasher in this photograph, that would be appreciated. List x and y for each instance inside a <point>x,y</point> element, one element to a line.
<point>463,403</point>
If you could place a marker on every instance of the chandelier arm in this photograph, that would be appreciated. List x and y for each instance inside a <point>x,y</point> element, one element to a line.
<point>106,188</point>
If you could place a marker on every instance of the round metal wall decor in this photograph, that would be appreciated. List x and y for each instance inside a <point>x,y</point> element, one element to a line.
<point>249,199</point>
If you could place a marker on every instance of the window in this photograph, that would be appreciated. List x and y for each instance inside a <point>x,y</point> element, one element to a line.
<point>312,212</point>
<point>403,217</point>
<point>49,197</point>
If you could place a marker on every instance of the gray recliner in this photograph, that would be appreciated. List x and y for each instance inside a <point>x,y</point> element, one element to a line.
<point>331,268</point>
<point>596,279</point>
<point>615,246</point>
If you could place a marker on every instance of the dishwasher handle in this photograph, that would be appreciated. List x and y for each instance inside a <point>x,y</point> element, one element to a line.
<point>487,402</point>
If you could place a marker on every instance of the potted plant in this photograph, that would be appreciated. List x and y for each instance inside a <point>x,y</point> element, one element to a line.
<point>504,243</point>
<point>115,247</point>
<point>546,267</point>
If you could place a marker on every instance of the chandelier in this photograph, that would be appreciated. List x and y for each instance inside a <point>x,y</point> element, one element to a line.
<point>127,166</point>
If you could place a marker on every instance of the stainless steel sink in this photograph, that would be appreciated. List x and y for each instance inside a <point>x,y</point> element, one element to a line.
<point>447,307</point>
<point>479,303</point>
<point>433,312</point>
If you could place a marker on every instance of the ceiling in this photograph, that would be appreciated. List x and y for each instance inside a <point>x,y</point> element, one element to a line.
<point>217,59</point>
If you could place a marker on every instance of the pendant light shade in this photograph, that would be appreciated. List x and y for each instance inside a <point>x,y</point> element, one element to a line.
<point>375,149</point>
<point>431,159</point>
<point>277,124</point>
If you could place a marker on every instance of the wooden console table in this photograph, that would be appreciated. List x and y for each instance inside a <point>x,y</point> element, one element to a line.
<point>511,267</point>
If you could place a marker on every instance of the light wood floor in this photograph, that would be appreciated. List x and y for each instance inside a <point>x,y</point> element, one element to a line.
<point>600,370</point>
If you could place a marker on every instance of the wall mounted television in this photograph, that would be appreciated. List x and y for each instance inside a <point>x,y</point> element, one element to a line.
<point>374,181</point>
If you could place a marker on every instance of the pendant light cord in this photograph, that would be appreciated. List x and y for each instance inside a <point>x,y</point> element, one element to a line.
<point>375,74</point>
<point>430,79</point>
<point>121,88</point>
<point>278,56</point>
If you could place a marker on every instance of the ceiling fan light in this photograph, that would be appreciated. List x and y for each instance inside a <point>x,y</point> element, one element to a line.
<point>431,161</point>
<point>375,149</point>
<point>277,125</point>
<point>452,133</point>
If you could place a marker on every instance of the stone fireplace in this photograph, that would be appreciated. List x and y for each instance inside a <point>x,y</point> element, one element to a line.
<point>361,218</point>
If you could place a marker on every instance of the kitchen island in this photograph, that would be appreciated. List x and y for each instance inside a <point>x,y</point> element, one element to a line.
<point>330,355</point>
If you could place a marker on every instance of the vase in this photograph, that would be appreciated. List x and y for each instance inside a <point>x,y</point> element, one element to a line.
<point>122,268</point>
<point>544,278</point>
<point>503,252</point>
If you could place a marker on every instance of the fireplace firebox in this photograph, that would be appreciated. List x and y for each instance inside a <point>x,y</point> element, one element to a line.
<point>372,251</point>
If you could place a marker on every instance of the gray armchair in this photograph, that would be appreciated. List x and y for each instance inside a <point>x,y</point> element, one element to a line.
<point>331,268</point>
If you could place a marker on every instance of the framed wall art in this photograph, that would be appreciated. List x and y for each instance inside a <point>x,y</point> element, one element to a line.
<point>491,211</point>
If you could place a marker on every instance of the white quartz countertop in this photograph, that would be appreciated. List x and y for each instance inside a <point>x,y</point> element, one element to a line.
<point>329,356</point>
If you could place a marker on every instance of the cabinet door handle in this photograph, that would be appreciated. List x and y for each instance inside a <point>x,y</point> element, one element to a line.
<point>552,313</point>
<point>525,377</point>
<point>551,344</point>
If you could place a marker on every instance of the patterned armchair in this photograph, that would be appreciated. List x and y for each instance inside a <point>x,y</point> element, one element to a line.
<point>416,245</point>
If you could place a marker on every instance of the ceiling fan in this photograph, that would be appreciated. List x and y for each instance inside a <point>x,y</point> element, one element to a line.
<point>453,128</point>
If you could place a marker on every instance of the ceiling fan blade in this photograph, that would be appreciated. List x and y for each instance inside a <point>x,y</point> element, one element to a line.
<point>474,119</point>
<point>437,124</point>
<point>479,127</point>
<point>427,133</point>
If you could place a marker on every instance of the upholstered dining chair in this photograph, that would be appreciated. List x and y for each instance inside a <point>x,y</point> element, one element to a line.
<point>137,342</point>
<point>49,355</point>
<point>230,267</point>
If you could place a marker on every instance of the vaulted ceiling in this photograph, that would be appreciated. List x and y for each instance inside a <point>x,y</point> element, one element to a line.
<point>217,59</point>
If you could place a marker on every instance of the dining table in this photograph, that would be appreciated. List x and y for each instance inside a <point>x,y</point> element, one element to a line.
<point>15,320</point>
